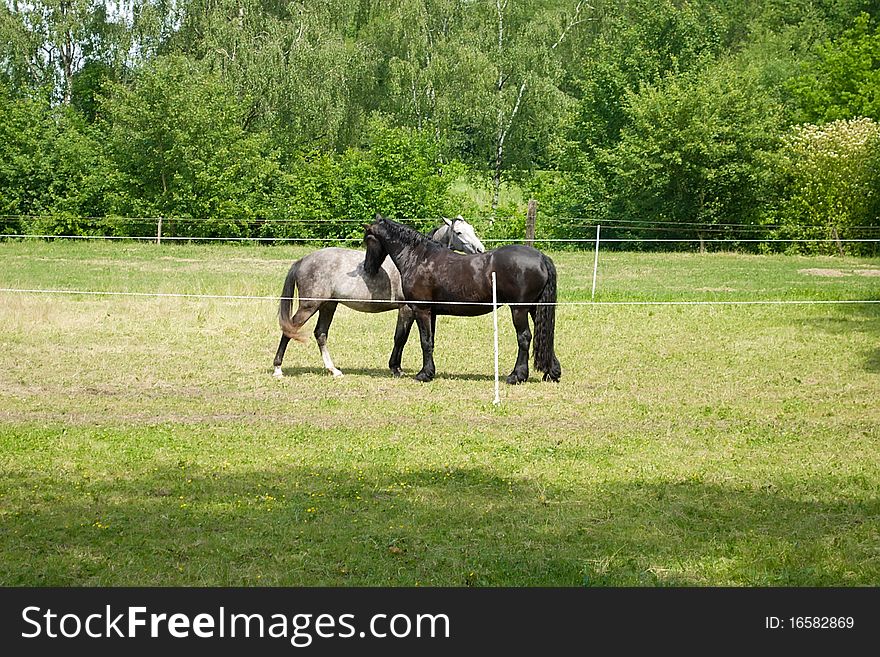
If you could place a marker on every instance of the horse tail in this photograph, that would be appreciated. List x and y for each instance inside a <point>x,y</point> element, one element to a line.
<point>545,326</point>
<point>286,305</point>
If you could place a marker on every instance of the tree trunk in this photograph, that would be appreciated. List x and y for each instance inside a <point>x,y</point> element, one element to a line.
<point>503,131</point>
<point>67,54</point>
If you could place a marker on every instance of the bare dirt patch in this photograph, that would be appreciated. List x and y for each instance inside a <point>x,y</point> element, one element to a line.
<point>830,273</point>
<point>839,273</point>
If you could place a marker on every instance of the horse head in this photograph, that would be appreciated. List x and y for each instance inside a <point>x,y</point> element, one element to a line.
<point>376,252</point>
<point>456,234</point>
<point>459,235</point>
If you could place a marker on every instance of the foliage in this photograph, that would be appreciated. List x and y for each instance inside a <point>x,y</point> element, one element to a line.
<point>833,176</point>
<point>292,67</point>
<point>260,118</point>
<point>177,149</point>
<point>395,173</point>
<point>575,199</point>
<point>844,81</point>
<point>51,41</point>
<point>695,150</point>
<point>24,172</point>
<point>648,42</point>
<point>47,165</point>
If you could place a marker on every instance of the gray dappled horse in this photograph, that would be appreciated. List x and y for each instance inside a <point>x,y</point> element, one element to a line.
<point>328,277</point>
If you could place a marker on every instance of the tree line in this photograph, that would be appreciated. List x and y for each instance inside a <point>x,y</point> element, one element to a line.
<point>660,119</point>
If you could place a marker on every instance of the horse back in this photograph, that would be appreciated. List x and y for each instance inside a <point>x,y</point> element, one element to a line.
<point>337,273</point>
<point>521,274</point>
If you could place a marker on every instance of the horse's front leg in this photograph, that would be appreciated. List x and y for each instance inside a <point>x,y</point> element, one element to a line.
<point>405,318</point>
<point>322,328</point>
<point>425,320</point>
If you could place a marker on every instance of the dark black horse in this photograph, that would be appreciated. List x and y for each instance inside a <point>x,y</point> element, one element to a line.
<point>447,282</point>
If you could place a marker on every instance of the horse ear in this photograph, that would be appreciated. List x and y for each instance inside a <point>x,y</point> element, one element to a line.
<point>367,226</point>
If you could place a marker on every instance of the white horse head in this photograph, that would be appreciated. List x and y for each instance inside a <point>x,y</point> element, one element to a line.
<point>458,235</point>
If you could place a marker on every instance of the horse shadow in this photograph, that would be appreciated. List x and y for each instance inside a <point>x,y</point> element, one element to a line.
<point>872,361</point>
<point>851,320</point>
<point>375,372</point>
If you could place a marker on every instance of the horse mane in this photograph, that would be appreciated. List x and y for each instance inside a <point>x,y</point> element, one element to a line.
<point>407,235</point>
<point>374,257</point>
<point>376,254</point>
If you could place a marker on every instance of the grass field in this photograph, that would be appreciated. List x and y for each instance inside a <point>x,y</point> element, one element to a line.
<point>143,440</point>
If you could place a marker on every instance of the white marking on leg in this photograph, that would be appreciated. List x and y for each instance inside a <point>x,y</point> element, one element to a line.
<point>328,362</point>
<point>278,374</point>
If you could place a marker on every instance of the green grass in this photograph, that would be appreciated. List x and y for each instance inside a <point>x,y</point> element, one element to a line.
<point>259,271</point>
<point>143,440</point>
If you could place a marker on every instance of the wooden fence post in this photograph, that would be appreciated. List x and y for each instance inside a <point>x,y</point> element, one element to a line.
<point>837,239</point>
<point>531,215</point>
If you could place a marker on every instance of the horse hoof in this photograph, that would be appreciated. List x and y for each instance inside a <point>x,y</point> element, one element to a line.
<point>336,373</point>
<point>424,378</point>
<point>278,374</point>
<point>397,373</point>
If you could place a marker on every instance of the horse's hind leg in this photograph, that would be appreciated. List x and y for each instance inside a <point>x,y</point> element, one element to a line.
<point>405,318</point>
<point>322,328</point>
<point>520,373</point>
<point>291,330</point>
<point>300,317</point>
<point>279,356</point>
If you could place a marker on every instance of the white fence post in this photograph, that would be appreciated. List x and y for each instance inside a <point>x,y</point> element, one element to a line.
<point>495,323</point>
<point>159,232</point>
<point>595,263</point>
